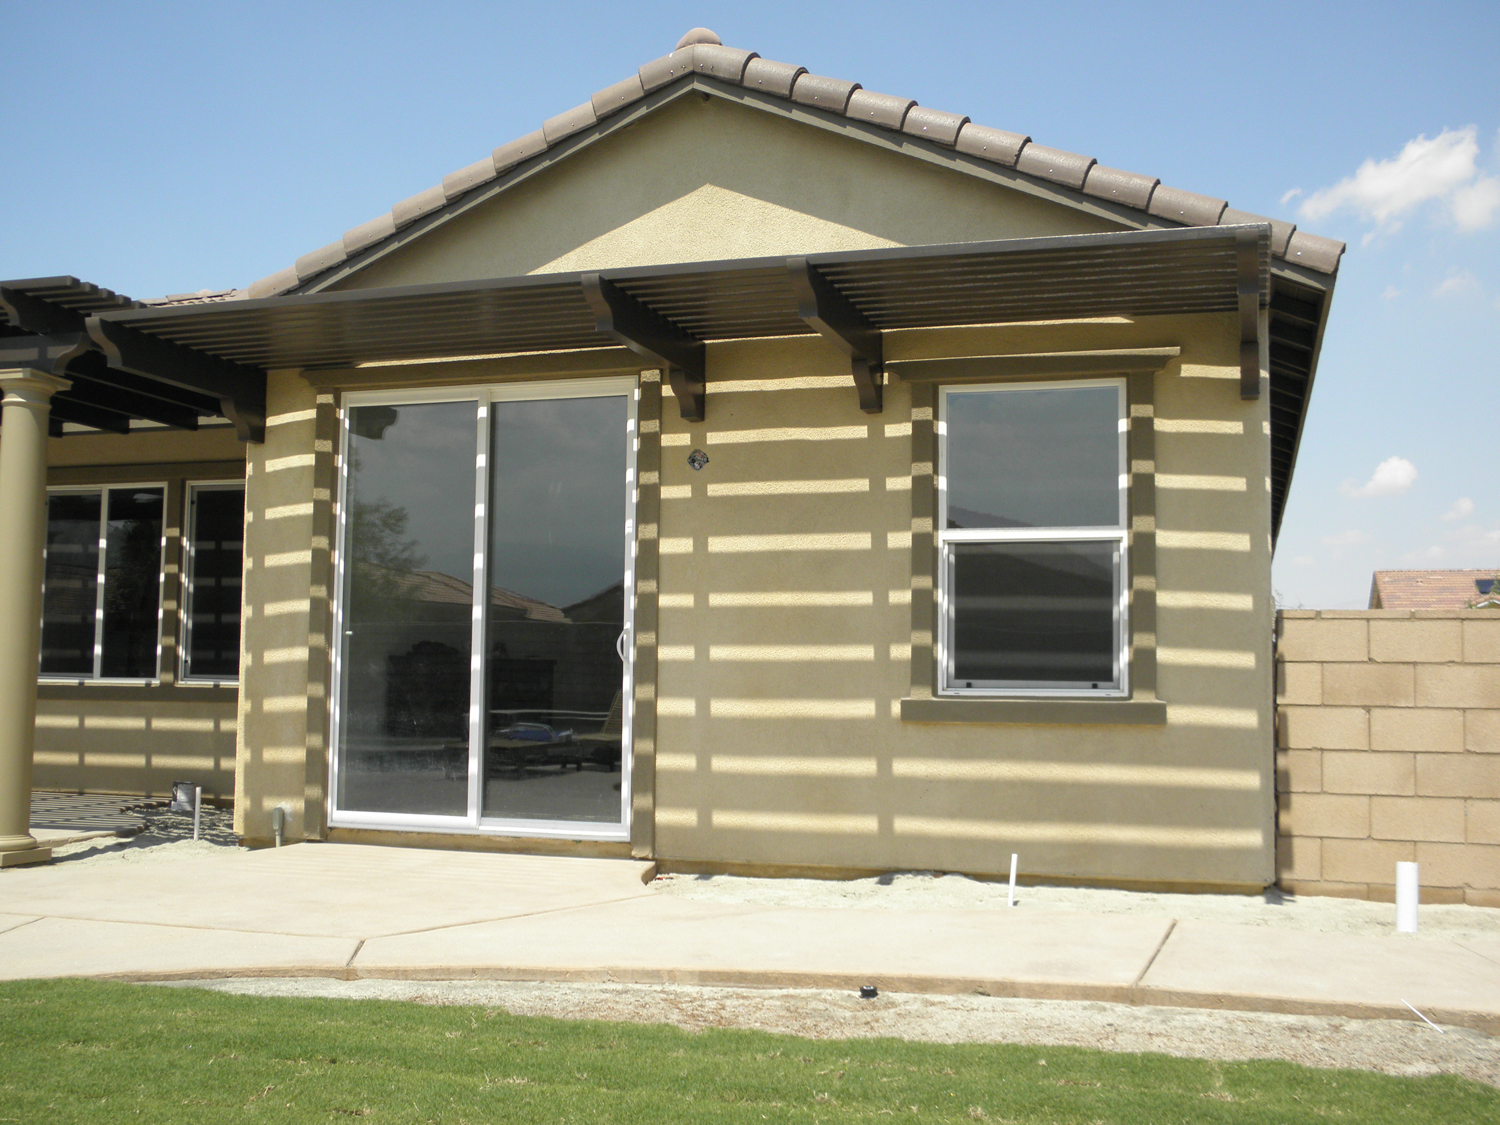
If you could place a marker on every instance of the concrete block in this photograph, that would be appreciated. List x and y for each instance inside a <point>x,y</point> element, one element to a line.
<point>1457,685</point>
<point>1460,865</point>
<point>1319,638</point>
<point>1299,858</point>
<point>1482,641</point>
<point>1387,774</point>
<point>1299,683</point>
<point>1324,728</point>
<point>1415,641</point>
<point>1323,814</point>
<point>1299,771</point>
<point>1417,818</point>
<point>1417,729</point>
<point>1482,732</point>
<point>1476,776</point>
<point>1483,822</point>
<point>1367,861</point>
<point>1475,897</point>
<point>1368,685</point>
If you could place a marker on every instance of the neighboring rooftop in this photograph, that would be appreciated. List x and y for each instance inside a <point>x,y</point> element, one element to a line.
<point>1435,589</point>
<point>700,57</point>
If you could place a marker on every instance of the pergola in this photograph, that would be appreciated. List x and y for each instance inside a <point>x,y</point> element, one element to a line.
<point>71,352</point>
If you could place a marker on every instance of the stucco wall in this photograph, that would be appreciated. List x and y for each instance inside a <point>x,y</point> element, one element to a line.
<point>284,640</point>
<point>705,179</point>
<point>139,738</point>
<point>786,632</point>
<point>1389,751</point>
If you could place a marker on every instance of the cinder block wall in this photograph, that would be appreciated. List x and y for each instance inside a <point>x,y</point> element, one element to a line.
<point>1388,749</point>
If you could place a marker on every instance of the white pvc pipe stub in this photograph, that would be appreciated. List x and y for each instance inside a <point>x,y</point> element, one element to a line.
<point>1406,898</point>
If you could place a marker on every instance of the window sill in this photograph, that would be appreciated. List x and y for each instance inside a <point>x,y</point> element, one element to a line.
<point>1060,712</point>
<point>136,691</point>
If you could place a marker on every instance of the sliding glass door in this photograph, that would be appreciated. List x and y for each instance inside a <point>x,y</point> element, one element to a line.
<point>482,671</point>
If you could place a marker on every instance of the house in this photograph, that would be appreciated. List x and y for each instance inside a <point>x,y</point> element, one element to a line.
<point>1434,589</point>
<point>745,470</point>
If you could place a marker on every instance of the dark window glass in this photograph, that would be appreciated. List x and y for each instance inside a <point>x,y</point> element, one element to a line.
<point>556,609</point>
<point>216,540</point>
<point>132,582</point>
<point>70,601</point>
<point>408,609</point>
<point>1048,457</point>
<point>1034,614</point>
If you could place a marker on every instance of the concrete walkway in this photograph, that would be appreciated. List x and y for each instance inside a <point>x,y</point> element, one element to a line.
<point>352,911</point>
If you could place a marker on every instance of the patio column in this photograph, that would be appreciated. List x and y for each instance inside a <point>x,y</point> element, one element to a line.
<point>23,494</point>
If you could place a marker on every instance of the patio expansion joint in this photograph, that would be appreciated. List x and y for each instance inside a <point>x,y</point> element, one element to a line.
<point>1155,953</point>
<point>502,918</point>
<point>1466,947</point>
<point>183,926</point>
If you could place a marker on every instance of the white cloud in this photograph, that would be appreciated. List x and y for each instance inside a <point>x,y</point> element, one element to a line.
<point>1436,554</point>
<point>1474,205</point>
<point>1305,560</point>
<point>1442,168</point>
<point>1457,282</point>
<point>1288,196</point>
<point>1462,509</point>
<point>1351,538</point>
<point>1391,293</point>
<point>1392,477</point>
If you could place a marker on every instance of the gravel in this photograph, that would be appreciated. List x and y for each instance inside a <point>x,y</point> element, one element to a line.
<point>1388,1046</point>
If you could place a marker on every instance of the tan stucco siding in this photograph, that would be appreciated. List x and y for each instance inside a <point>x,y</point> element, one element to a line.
<point>785,625</point>
<point>706,179</point>
<point>139,746</point>
<point>277,641</point>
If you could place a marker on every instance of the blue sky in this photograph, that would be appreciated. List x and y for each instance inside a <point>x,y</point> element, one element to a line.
<point>168,147</point>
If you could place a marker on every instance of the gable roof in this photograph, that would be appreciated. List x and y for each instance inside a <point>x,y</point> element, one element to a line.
<point>1433,589</point>
<point>701,61</point>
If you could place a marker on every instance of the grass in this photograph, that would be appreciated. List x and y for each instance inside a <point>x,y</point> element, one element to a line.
<point>85,1051</point>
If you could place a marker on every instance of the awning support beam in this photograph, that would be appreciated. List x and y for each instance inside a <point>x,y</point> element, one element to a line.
<point>241,390</point>
<point>834,317</point>
<point>652,336</point>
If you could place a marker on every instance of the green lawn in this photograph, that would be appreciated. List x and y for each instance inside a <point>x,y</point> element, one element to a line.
<point>82,1051</point>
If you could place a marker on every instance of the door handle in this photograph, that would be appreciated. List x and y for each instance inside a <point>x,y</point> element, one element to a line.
<point>620,645</point>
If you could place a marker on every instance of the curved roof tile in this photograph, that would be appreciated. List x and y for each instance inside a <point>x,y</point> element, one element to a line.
<point>701,52</point>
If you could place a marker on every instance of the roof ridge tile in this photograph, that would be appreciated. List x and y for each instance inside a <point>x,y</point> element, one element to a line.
<point>614,98</point>
<point>773,77</point>
<point>1057,165</point>
<point>933,125</point>
<point>826,93</point>
<point>995,145</point>
<point>718,61</point>
<point>1186,207</point>
<point>882,109</point>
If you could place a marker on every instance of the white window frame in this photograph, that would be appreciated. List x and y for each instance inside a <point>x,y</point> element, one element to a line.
<point>473,822</point>
<point>948,538</point>
<point>189,575</point>
<point>97,674</point>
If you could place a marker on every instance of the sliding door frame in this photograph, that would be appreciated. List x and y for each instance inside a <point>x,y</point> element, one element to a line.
<point>474,822</point>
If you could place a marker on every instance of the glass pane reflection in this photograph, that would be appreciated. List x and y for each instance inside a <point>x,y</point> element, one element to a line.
<point>1048,457</point>
<point>1033,615</point>
<point>404,716</point>
<point>557,609</point>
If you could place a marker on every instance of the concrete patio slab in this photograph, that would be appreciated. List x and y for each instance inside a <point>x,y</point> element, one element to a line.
<point>57,947</point>
<point>1320,972</point>
<point>660,938</point>
<point>342,890</point>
